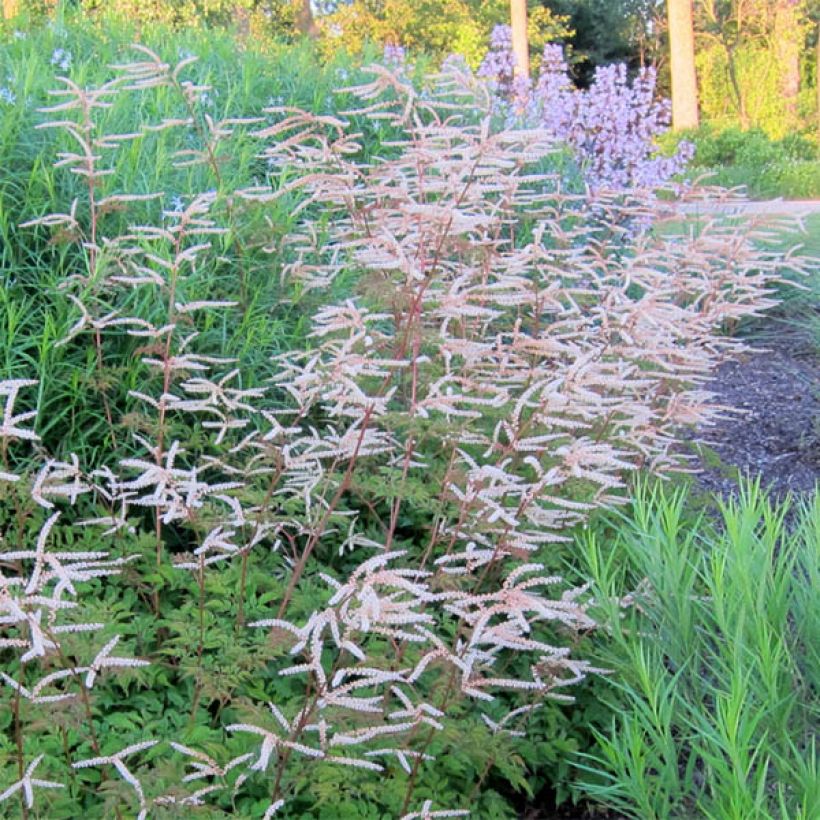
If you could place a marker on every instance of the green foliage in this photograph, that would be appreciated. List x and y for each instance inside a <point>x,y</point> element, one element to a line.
<point>749,56</point>
<point>714,631</point>
<point>788,167</point>
<point>434,27</point>
<point>258,18</point>
<point>733,146</point>
<point>33,262</point>
<point>606,31</point>
<point>758,78</point>
<point>208,670</point>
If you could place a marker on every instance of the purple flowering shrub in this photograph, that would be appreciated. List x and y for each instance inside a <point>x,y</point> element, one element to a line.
<point>498,67</point>
<point>394,56</point>
<point>499,63</point>
<point>612,127</point>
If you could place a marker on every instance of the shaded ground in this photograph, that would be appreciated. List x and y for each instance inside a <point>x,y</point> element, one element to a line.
<point>776,433</point>
<point>571,813</point>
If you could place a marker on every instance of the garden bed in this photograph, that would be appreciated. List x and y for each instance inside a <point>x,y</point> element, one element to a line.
<point>772,431</point>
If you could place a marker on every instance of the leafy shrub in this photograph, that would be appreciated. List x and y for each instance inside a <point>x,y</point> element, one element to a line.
<point>788,167</point>
<point>734,146</point>
<point>321,580</point>
<point>268,21</point>
<point>713,646</point>
<point>758,73</point>
<point>432,27</point>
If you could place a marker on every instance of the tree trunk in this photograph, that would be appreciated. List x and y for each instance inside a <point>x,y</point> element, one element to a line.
<point>10,8</point>
<point>787,41</point>
<point>304,19</point>
<point>243,23</point>
<point>682,64</point>
<point>520,41</point>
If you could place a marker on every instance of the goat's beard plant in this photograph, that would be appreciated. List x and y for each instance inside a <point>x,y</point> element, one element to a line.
<point>493,372</point>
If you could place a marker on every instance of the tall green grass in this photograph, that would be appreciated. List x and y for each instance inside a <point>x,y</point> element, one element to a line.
<point>713,642</point>
<point>244,80</point>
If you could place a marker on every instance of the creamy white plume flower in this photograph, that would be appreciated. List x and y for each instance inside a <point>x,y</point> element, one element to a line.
<point>272,809</point>
<point>10,425</point>
<point>428,813</point>
<point>117,761</point>
<point>271,743</point>
<point>34,695</point>
<point>28,783</point>
<point>487,388</point>
<point>105,660</point>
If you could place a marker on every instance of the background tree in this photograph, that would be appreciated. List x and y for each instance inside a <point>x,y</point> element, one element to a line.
<point>682,64</point>
<point>788,39</point>
<point>813,14</point>
<point>813,40</point>
<point>520,41</point>
<point>749,56</point>
<point>305,21</point>
<point>610,31</point>
<point>434,27</point>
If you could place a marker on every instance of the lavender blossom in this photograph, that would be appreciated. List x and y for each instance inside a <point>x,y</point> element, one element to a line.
<point>61,58</point>
<point>394,56</point>
<point>498,65</point>
<point>612,127</point>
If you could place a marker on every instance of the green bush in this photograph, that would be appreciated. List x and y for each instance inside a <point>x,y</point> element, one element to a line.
<point>750,148</point>
<point>758,74</point>
<point>789,167</point>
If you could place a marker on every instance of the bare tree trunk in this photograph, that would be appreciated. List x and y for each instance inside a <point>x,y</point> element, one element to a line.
<point>10,8</point>
<point>304,19</point>
<point>243,23</point>
<point>787,41</point>
<point>520,41</point>
<point>682,64</point>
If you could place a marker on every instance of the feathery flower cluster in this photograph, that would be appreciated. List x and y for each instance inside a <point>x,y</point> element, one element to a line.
<point>498,383</point>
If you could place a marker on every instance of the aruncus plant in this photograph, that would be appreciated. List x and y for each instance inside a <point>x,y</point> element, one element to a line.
<point>345,573</point>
